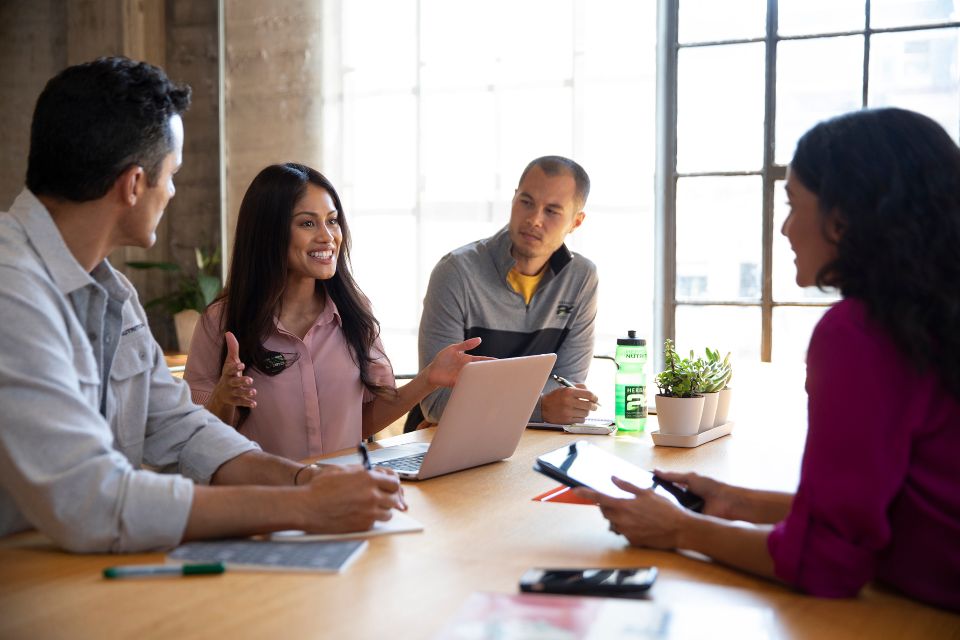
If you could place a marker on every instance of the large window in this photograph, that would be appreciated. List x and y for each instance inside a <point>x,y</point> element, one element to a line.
<point>743,80</point>
<point>432,109</point>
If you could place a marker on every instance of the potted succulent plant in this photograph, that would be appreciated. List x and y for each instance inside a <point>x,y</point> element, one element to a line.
<point>725,372</point>
<point>714,375</point>
<point>679,403</point>
<point>192,295</point>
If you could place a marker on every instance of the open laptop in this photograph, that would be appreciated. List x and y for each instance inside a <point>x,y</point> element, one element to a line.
<point>482,422</point>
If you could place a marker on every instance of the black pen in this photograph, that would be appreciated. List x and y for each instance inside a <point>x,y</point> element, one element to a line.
<point>362,448</point>
<point>566,383</point>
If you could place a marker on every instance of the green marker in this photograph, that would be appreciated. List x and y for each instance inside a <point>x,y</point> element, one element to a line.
<point>151,570</point>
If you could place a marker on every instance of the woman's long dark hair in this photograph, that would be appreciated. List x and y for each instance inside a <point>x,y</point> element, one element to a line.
<point>258,272</point>
<point>892,179</point>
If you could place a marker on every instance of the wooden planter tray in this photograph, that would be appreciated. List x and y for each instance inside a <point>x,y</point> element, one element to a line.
<point>697,439</point>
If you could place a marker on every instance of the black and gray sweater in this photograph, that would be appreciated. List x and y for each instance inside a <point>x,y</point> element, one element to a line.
<point>469,296</point>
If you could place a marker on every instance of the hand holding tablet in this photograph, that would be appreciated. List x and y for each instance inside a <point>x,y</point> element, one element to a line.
<point>582,464</point>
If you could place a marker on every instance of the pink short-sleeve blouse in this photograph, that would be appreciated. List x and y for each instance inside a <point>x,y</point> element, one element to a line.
<point>312,407</point>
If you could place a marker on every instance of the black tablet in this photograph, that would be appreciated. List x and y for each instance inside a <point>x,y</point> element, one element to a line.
<point>582,464</point>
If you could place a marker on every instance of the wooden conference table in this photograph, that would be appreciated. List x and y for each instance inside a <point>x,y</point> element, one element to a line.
<point>482,530</point>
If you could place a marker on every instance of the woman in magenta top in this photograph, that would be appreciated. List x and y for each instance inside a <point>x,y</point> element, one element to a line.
<point>290,353</point>
<point>875,212</point>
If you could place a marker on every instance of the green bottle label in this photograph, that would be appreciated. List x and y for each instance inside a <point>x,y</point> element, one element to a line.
<point>635,406</point>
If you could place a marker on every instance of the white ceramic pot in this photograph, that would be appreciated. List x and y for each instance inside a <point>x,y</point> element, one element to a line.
<point>723,408</point>
<point>679,416</point>
<point>185,322</point>
<point>710,401</point>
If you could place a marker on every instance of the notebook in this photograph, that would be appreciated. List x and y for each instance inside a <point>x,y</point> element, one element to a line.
<point>268,555</point>
<point>589,421</point>
<point>527,615</point>
<point>483,421</point>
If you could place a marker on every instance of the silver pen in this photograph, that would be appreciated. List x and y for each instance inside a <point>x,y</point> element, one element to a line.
<point>566,383</point>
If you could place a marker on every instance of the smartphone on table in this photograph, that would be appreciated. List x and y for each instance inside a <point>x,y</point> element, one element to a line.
<point>581,464</point>
<point>612,583</point>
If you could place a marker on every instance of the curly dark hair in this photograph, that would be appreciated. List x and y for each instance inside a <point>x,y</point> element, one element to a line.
<point>892,178</point>
<point>258,272</point>
<point>94,120</point>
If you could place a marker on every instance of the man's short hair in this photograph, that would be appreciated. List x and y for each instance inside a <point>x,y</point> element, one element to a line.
<point>95,120</point>
<point>558,165</point>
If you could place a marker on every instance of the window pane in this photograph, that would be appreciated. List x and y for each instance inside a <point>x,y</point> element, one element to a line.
<point>381,266</point>
<point>709,20</point>
<point>451,123</point>
<point>619,40</point>
<point>393,31</point>
<point>457,57</point>
<point>785,287</point>
<point>332,165</point>
<point>528,130</point>
<point>614,101</point>
<point>446,226</point>
<point>380,153</point>
<point>733,329</point>
<point>799,17</point>
<point>719,111</point>
<point>534,41</point>
<point>816,79</point>
<point>792,328</point>
<point>718,238</point>
<point>898,13</point>
<point>620,242</point>
<point>617,120</point>
<point>918,70</point>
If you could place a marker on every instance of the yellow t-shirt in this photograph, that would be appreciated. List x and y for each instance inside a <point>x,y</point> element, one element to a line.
<point>525,285</point>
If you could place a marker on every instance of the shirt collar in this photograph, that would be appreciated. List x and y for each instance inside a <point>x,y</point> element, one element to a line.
<point>45,237</point>
<point>329,314</point>
<point>505,261</point>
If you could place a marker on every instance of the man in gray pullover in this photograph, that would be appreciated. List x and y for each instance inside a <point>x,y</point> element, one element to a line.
<point>522,291</point>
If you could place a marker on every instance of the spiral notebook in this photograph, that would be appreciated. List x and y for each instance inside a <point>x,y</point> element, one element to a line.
<point>589,421</point>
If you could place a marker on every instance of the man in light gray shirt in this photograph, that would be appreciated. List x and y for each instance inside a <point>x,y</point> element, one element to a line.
<point>85,396</point>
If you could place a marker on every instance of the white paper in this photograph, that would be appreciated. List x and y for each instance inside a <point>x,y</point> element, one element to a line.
<point>401,522</point>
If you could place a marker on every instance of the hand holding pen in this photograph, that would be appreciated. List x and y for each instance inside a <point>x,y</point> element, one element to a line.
<point>365,459</point>
<point>569,385</point>
<point>567,405</point>
<point>364,455</point>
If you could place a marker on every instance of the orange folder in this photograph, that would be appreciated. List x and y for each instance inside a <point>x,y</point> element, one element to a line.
<point>561,493</point>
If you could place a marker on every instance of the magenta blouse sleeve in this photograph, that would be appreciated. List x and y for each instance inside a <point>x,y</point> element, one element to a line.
<point>855,460</point>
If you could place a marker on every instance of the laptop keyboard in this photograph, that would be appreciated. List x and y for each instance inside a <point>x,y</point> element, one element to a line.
<point>406,463</point>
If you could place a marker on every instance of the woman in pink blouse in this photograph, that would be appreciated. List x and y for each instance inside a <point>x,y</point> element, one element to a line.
<point>290,353</point>
<point>875,212</point>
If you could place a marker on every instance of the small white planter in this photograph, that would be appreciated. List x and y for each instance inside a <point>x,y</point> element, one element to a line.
<point>723,407</point>
<point>185,322</point>
<point>679,416</point>
<point>710,401</point>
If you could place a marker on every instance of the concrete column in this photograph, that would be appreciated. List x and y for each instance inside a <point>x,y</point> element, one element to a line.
<point>272,90</point>
<point>38,38</point>
<point>32,49</point>
<point>136,29</point>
